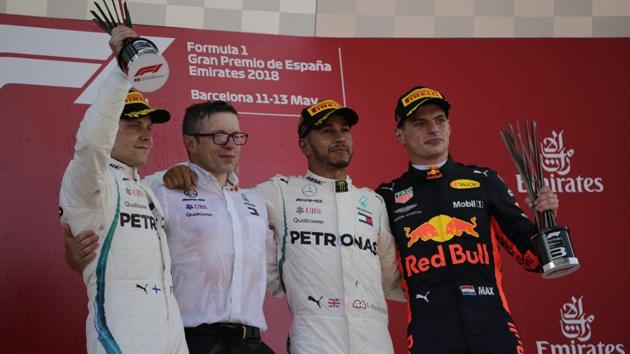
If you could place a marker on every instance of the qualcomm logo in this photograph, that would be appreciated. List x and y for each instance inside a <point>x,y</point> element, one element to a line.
<point>59,58</point>
<point>556,161</point>
<point>575,325</point>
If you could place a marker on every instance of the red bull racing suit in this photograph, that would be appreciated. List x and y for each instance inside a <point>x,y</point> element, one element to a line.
<point>448,224</point>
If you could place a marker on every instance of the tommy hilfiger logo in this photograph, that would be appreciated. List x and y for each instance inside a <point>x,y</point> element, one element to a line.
<point>366,219</point>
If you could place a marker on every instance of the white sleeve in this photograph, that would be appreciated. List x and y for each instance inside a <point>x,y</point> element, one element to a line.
<point>84,179</point>
<point>389,260</point>
<point>270,193</point>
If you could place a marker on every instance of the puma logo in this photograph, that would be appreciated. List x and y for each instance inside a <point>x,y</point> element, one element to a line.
<point>425,296</point>
<point>485,173</point>
<point>142,287</point>
<point>310,298</point>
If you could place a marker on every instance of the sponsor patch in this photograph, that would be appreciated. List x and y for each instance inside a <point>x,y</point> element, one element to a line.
<point>366,219</point>
<point>419,94</point>
<point>326,104</point>
<point>309,190</point>
<point>434,173</point>
<point>341,186</point>
<point>363,202</point>
<point>403,196</point>
<point>405,208</point>
<point>467,290</point>
<point>468,204</point>
<point>465,184</point>
<point>191,193</point>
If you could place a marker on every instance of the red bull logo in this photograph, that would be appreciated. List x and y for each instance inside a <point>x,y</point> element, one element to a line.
<point>441,228</point>
<point>458,255</point>
<point>434,173</point>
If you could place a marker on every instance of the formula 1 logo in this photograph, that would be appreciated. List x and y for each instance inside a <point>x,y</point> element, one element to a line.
<point>148,70</point>
<point>60,58</point>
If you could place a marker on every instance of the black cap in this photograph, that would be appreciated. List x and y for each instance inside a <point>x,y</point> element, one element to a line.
<point>416,97</point>
<point>136,106</point>
<point>315,115</point>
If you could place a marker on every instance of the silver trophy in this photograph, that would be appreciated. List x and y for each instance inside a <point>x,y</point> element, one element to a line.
<point>139,58</point>
<point>552,243</point>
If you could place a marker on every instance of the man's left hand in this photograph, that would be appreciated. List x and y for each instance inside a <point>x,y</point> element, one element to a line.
<point>546,200</point>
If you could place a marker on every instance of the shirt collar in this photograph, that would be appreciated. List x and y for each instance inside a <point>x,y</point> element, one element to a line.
<point>126,170</point>
<point>426,167</point>
<point>444,170</point>
<point>208,179</point>
<point>332,185</point>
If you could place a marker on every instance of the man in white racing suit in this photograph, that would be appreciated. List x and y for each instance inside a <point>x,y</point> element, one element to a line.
<point>336,259</point>
<point>131,304</point>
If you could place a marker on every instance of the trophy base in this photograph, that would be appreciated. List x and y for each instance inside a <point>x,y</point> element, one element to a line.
<point>560,268</point>
<point>555,251</point>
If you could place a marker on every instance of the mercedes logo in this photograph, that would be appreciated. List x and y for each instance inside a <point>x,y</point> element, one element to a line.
<point>309,190</point>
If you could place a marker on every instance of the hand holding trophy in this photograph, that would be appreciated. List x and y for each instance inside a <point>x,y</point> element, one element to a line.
<point>552,242</point>
<point>139,58</point>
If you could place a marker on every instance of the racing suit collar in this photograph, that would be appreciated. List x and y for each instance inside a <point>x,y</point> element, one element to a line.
<point>332,185</point>
<point>208,179</point>
<point>128,171</point>
<point>446,169</point>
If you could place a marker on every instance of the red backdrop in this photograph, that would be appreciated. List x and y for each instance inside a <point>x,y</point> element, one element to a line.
<point>575,88</point>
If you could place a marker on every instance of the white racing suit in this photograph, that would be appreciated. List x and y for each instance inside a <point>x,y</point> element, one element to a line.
<point>130,293</point>
<point>336,261</point>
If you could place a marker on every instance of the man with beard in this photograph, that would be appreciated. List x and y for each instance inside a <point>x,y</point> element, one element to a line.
<point>449,220</point>
<point>335,256</point>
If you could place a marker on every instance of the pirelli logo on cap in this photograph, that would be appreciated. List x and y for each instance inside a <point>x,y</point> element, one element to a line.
<point>326,104</point>
<point>141,113</point>
<point>135,97</point>
<point>419,94</point>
